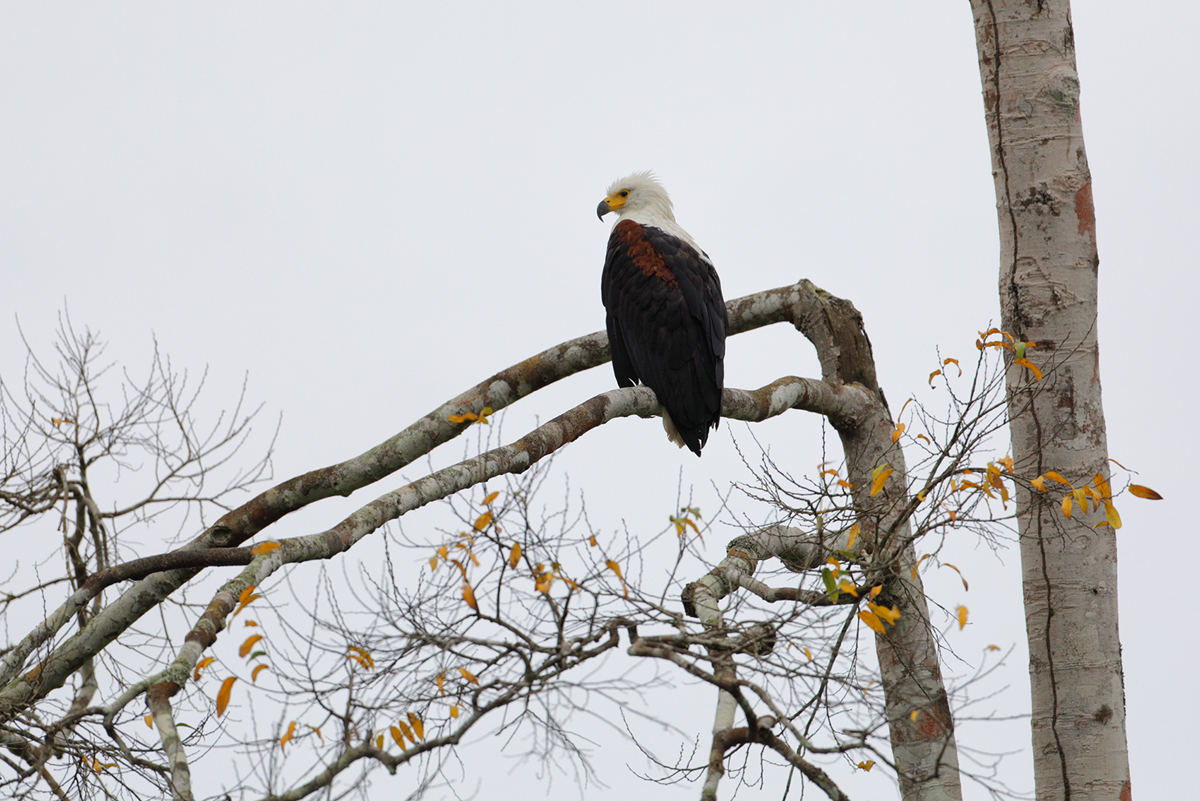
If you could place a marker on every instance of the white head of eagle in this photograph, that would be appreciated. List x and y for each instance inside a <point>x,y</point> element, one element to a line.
<point>666,316</point>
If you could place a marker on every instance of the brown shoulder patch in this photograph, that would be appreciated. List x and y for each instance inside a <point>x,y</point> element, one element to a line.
<point>641,252</point>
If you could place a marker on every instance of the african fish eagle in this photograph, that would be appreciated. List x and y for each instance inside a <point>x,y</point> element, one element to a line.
<point>666,317</point>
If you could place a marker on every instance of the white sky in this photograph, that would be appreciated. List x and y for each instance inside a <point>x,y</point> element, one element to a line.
<point>368,208</point>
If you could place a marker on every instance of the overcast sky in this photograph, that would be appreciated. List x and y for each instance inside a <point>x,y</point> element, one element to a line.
<point>369,207</point>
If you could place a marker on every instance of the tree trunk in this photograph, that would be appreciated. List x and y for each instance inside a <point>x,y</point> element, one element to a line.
<point>1048,272</point>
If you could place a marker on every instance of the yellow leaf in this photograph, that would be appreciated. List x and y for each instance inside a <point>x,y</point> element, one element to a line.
<point>852,537</point>
<point>379,742</point>
<point>433,563</point>
<point>914,570</point>
<point>454,711</point>
<point>953,515</point>
<point>871,620</point>
<point>897,432</point>
<point>808,653</point>
<point>288,735</point>
<point>201,665</point>
<point>960,613</point>
<point>847,586</point>
<point>398,737</point>
<point>250,623</point>
<point>1081,497</point>
<point>1056,477</point>
<point>224,693</point>
<point>916,713</point>
<point>890,615</point>
<point>1066,506</point>
<point>444,551</point>
<point>954,362</point>
<point>867,765</point>
<point>247,597</point>
<point>149,721</point>
<point>491,497</point>
<point>928,441</point>
<point>993,648</point>
<point>881,476</point>
<point>248,645</point>
<point>514,555</point>
<point>592,540</point>
<point>484,519</point>
<point>417,725</point>
<point>468,675</point>
<point>317,732</point>
<point>1110,513</point>
<point>258,669</point>
<point>359,660</point>
<point>265,547</point>
<point>614,567</point>
<point>934,375</point>
<point>845,484</point>
<point>469,597</point>
<point>441,681</point>
<point>407,731</point>
<point>1137,490</point>
<point>874,593</point>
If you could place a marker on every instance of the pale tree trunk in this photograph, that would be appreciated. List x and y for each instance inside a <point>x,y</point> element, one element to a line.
<point>1048,272</point>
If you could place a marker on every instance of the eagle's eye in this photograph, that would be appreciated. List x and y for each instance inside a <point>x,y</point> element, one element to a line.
<point>624,193</point>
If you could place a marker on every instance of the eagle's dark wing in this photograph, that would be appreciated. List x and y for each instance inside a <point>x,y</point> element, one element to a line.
<point>666,324</point>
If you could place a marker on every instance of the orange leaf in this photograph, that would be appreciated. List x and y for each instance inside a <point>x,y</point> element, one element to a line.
<point>288,735</point>
<point>1028,365</point>
<point>890,615</point>
<point>592,540</point>
<point>914,569</point>
<point>808,653</point>
<point>454,711</point>
<point>514,555</point>
<point>248,645</point>
<point>223,695</point>
<point>1066,506</point>
<point>1139,491</point>
<point>468,675</point>
<point>149,721</point>
<point>398,737</point>
<point>201,665</point>
<point>934,375</point>
<point>417,725</point>
<point>433,563</point>
<point>961,614</point>
<point>364,653</point>
<point>441,681</point>
<point>469,597</point>
<point>1056,477</point>
<point>852,537</point>
<point>258,669</point>
<point>955,363</point>
<point>867,765</point>
<point>960,575</point>
<point>407,731</point>
<point>265,547</point>
<point>897,432</point>
<point>250,623</point>
<point>483,520</point>
<point>1039,483</point>
<point>614,567</point>
<point>379,742</point>
<point>490,498</point>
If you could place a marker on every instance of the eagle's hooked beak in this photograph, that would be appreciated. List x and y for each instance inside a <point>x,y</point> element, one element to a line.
<point>611,203</point>
<point>603,209</point>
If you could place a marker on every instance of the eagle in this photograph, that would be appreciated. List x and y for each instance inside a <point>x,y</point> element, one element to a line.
<point>665,315</point>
